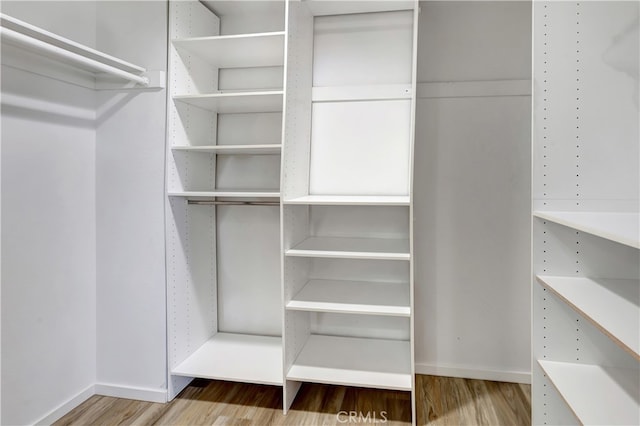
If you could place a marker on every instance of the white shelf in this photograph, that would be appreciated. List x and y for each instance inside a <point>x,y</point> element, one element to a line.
<point>27,37</point>
<point>351,200</point>
<point>616,313</point>
<point>333,7</point>
<point>353,297</point>
<point>230,193</point>
<point>236,357</point>
<point>237,51</point>
<point>233,149</point>
<point>351,361</point>
<point>352,248</point>
<point>379,92</point>
<point>597,395</point>
<point>623,228</point>
<point>236,102</point>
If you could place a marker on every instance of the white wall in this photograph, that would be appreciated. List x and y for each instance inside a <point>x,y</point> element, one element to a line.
<point>48,229</point>
<point>472,190</point>
<point>130,209</point>
<point>83,220</point>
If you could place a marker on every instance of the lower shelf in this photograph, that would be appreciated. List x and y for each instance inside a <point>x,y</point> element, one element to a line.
<point>597,395</point>
<point>350,361</point>
<point>237,358</point>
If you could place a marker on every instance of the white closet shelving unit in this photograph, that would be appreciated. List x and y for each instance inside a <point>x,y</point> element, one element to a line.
<point>223,221</point>
<point>329,99</point>
<point>28,47</point>
<point>347,194</point>
<point>586,289</point>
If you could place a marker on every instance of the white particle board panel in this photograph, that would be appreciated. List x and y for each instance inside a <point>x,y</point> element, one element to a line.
<point>361,93</point>
<point>248,261</point>
<point>363,49</point>
<point>225,193</point>
<point>585,387</point>
<point>256,128</point>
<point>237,358</point>
<point>355,297</point>
<point>248,16</point>
<point>238,102</point>
<point>586,74</point>
<point>355,362</point>
<point>352,248</point>
<point>623,228</point>
<point>351,200</point>
<point>360,148</point>
<point>233,149</point>
<point>342,7</point>
<point>297,120</point>
<point>260,172</point>
<point>613,306</point>
<point>237,51</point>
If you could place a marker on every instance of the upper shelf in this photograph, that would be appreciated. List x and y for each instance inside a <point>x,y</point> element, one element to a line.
<point>333,7</point>
<point>264,149</point>
<point>351,200</point>
<point>623,228</point>
<point>30,38</point>
<point>597,298</point>
<point>237,51</point>
<point>236,102</point>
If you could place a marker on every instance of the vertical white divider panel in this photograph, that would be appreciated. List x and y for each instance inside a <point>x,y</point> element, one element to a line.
<point>412,130</point>
<point>586,179</point>
<point>295,177</point>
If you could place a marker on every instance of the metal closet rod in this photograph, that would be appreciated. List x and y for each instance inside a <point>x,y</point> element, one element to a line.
<point>233,203</point>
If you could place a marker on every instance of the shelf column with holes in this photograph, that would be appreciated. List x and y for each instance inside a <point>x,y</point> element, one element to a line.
<point>586,237</point>
<point>225,115</point>
<point>347,195</point>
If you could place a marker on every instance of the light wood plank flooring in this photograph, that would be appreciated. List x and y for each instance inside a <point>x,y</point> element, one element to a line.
<point>441,401</point>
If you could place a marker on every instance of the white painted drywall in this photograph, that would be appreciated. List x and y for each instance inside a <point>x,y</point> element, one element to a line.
<point>48,228</point>
<point>131,307</point>
<point>471,191</point>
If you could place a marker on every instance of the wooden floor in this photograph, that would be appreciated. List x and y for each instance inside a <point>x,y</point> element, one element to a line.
<point>441,401</point>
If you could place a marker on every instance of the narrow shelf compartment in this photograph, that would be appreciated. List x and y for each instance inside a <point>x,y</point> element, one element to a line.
<point>623,228</point>
<point>352,361</point>
<point>237,51</point>
<point>236,357</point>
<point>236,102</point>
<point>597,395</point>
<point>230,193</point>
<point>351,200</point>
<point>615,313</point>
<point>353,297</point>
<point>233,149</point>
<point>352,248</point>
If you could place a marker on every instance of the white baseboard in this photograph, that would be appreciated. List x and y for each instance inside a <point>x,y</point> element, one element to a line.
<point>129,392</point>
<point>472,373</point>
<point>64,408</point>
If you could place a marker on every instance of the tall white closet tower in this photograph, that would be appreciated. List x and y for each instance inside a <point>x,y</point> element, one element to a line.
<point>586,289</point>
